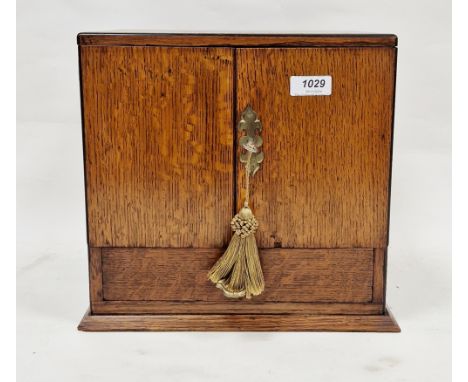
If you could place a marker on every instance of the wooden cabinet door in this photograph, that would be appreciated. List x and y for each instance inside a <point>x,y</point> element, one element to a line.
<point>158,145</point>
<point>324,182</point>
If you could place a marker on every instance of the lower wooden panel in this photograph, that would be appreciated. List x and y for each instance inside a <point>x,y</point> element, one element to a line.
<point>231,307</point>
<point>267,322</point>
<point>291,275</point>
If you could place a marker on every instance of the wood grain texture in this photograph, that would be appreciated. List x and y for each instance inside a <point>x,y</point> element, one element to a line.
<point>320,275</point>
<point>379,276</point>
<point>163,179</point>
<point>324,181</point>
<point>95,275</point>
<point>233,322</point>
<point>232,307</point>
<point>239,40</point>
<point>158,142</point>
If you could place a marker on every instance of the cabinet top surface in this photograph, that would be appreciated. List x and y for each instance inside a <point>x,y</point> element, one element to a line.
<point>238,40</point>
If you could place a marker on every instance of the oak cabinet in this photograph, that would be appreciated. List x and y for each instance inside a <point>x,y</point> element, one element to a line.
<point>163,180</point>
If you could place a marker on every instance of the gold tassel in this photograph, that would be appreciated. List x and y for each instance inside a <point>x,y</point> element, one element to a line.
<point>238,273</point>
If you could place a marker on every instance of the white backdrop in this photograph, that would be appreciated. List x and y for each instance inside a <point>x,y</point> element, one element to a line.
<point>52,266</point>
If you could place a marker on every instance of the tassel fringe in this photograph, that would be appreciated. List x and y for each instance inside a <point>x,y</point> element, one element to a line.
<point>238,273</point>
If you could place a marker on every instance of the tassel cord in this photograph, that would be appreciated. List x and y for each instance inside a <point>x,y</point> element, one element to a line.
<point>247,179</point>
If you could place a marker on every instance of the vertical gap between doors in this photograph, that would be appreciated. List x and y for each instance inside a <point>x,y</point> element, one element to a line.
<point>234,130</point>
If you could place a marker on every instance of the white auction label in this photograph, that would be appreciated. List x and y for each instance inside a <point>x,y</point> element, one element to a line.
<point>310,85</point>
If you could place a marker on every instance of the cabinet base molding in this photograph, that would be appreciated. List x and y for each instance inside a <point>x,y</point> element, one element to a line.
<point>240,322</point>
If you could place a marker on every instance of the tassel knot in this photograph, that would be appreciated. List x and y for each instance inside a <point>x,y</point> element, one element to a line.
<point>244,227</point>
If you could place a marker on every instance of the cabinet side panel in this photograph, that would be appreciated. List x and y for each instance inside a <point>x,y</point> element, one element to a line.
<point>158,135</point>
<point>325,177</point>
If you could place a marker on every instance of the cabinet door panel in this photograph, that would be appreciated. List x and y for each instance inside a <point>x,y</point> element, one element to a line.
<point>324,182</point>
<point>158,145</point>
